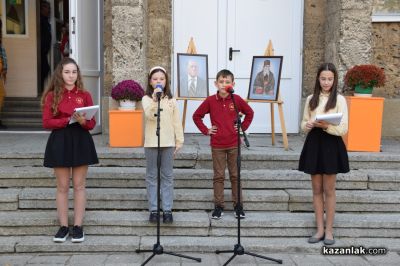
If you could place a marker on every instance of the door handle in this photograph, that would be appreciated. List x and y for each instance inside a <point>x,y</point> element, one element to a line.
<point>231,50</point>
<point>73,25</point>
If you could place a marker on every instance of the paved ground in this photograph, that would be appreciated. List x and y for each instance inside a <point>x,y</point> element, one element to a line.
<point>390,259</point>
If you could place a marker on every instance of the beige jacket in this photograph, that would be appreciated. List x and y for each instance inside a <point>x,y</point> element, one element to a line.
<point>341,107</point>
<point>171,131</point>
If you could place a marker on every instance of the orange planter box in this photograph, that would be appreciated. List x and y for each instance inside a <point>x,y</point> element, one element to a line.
<point>126,128</point>
<point>365,123</point>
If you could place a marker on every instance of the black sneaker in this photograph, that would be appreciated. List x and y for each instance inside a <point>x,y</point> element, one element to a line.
<point>153,217</point>
<point>239,211</point>
<point>217,213</point>
<point>167,217</point>
<point>77,234</point>
<point>61,235</point>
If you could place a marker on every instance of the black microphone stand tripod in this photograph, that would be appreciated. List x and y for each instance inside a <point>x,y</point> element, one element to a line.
<point>238,249</point>
<point>157,247</point>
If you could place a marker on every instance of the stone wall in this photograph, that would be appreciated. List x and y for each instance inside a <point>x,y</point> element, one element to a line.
<point>159,33</point>
<point>386,54</point>
<point>348,32</point>
<point>107,46</point>
<point>125,46</point>
<point>314,42</point>
<point>129,40</point>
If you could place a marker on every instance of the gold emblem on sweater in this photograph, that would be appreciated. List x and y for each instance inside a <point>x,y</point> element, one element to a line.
<point>79,100</point>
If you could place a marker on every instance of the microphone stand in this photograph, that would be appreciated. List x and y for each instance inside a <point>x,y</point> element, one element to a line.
<point>157,247</point>
<point>238,249</point>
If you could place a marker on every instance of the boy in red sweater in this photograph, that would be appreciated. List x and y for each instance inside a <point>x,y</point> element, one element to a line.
<point>223,133</point>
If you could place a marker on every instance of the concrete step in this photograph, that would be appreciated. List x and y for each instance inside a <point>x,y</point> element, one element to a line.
<point>133,177</point>
<point>349,201</point>
<point>194,156</point>
<point>199,223</point>
<point>263,246</point>
<point>195,223</point>
<point>201,199</point>
<point>135,199</point>
<point>9,199</point>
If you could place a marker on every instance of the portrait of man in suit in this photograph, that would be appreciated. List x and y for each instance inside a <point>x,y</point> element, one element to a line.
<point>192,76</point>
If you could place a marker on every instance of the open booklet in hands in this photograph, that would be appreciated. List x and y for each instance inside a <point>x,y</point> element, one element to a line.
<point>333,119</point>
<point>89,112</point>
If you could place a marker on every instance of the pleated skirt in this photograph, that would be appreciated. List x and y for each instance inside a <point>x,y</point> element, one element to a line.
<point>323,153</point>
<point>70,147</point>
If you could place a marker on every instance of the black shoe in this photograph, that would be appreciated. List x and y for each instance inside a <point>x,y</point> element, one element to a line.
<point>77,234</point>
<point>217,213</point>
<point>61,235</point>
<point>239,211</point>
<point>167,217</point>
<point>153,217</point>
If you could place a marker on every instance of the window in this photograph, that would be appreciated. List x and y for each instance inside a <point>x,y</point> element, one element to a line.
<point>386,11</point>
<point>14,16</point>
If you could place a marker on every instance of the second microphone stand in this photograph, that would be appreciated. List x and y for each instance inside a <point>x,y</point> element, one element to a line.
<point>238,249</point>
<point>157,247</point>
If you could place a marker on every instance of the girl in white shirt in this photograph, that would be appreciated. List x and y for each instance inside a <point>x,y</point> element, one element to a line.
<point>171,141</point>
<point>324,153</point>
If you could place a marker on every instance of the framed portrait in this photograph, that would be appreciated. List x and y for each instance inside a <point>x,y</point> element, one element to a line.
<point>192,75</point>
<point>15,16</point>
<point>265,78</point>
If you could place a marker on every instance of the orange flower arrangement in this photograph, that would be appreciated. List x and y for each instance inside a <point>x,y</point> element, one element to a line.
<point>365,76</point>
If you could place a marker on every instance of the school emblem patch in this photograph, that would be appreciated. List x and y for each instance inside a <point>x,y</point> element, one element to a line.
<point>79,100</point>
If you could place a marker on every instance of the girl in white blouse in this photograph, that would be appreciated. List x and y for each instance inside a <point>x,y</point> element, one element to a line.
<point>324,153</point>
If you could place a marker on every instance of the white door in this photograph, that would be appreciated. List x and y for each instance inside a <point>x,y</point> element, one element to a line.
<point>86,40</point>
<point>245,25</point>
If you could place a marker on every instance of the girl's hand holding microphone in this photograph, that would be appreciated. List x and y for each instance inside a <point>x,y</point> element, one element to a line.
<point>157,92</point>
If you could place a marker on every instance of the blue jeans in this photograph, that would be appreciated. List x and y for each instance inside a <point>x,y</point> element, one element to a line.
<point>167,178</point>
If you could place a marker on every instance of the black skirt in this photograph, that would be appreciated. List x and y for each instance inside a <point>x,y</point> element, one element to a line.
<point>323,153</point>
<point>70,147</point>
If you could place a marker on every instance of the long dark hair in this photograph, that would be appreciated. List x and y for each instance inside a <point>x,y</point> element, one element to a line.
<point>331,103</point>
<point>57,84</point>
<point>150,89</point>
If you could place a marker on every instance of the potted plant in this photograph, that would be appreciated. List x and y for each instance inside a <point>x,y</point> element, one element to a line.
<point>127,93</point>
<point>363,78</point>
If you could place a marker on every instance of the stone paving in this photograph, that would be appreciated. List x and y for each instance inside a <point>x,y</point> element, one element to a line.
<point>118,259</point>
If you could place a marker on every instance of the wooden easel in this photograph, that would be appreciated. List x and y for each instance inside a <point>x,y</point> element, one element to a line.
<point>190,50</point>
<point>269,51</point>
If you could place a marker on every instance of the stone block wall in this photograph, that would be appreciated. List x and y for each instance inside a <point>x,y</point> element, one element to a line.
<point>386,54</point>
<point>314,42</point>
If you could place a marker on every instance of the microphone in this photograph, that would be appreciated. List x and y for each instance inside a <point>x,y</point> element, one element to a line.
<point>229,89</point>
<point>159,86</point>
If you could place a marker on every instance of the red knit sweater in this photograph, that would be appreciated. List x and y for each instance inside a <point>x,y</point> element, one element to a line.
<point>223,115</point>
<point>70,100</point>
